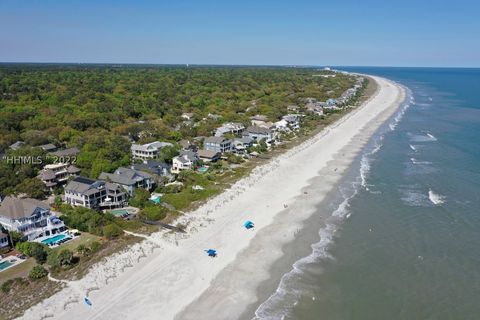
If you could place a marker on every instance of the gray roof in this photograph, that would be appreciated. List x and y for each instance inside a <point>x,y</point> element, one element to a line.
<point>243,140</point>
<point>258,130</point>
<point>84,185</point>
<point>125,176</point>
<point>192,156</point>
<point>156,145</point>
<point>73,169</point>
<point>17,145</point>
<point>216,140</point>
<point>70,152</point>
<point>16,208</point>
<point>48,175</point>
<point>207,154</point>
<point>48,147</point>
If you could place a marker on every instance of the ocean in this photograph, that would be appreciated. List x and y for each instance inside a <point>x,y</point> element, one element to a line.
<point>402,237</point>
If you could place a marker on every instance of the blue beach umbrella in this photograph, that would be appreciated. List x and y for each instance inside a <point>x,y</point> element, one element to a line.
<point>87,301</point>
<point>211,253</point>
<point>249,224</point>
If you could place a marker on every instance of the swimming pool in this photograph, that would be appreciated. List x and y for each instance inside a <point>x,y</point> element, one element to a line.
<point>5,265</point>
<point>119,212</point>
<point>54,239</point>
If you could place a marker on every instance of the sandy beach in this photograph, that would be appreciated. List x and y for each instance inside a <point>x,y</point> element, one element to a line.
<point>169,276</point>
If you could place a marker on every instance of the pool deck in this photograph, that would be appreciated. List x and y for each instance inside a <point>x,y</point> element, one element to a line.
<point>12,259</point>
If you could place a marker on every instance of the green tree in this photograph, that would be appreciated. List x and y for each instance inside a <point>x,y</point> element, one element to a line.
<point>38,272</point>
<point>112,231</point>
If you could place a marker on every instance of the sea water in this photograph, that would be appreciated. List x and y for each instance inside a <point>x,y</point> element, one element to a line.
<point>405,241</point>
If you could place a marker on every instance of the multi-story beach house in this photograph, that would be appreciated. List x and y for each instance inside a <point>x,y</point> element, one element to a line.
<point>129,179</point>
<point>3,240</point>
<point>217,144</point>
<point>94,194</point>
<point>240,145</point>
<point>158,168</point>
<point>258,133</point>
<point>57,174</point>
<point>230,127</point>
<point>149,150</point>
<point>208,155</point>
<point>31,217</point>
<point>185,161</point>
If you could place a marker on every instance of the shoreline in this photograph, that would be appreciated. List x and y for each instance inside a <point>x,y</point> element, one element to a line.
<point>143,282</point>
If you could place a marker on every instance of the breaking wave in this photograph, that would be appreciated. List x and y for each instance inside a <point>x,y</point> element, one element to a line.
<point>436,198</point>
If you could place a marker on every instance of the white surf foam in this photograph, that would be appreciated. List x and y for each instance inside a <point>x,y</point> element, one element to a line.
<point>435,198</point>
<point>413,148</point>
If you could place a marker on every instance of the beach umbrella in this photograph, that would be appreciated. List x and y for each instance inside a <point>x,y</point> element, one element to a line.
<point>211,253</point>
<point>87,301</point>
<point>249,224</point>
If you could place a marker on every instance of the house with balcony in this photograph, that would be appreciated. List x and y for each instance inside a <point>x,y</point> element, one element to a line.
<point>185,161</point>
<point>94,194</point>
<point>258,133</point>
<point>57,174</point>
<point>149,150</point>
<point>217,144</point>
<point>241,145</point>
<point>3,240</point>
<point>129,179</point>
<point>31,217</point>
<point>230,128</point>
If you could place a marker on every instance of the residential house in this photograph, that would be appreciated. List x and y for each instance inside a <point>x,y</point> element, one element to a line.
<point>129,179</point>
<point>258,119</point>
<point>56,174</point>
<point>217,144</point>
<point>31,217</point>
<point>158,168</point>
<point>149,150</point>
<point>94,194</point>
<point>230,128</point>
<point>208,155</point>
<point>65,155</point>
<point>240,145</point>
<point>188,145</point>
<point>17,145</point>
<point>293,120</point>
<point>258,133</point>
<point>3,240</point>
<point>187,116</point>
<point>185,161</point>
<point>49,147</point>
<point>282,126</point>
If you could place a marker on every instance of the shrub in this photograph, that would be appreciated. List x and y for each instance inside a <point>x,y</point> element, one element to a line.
<point>154,213</point>
<point>33,249</point>
<point>38,272</point>
<point>95,246</point>
<point>112,231</point>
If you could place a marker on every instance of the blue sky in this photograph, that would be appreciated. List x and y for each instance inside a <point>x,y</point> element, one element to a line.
<point>302,32</point>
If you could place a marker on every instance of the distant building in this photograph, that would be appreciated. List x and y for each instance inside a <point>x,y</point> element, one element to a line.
<point>129,179</point>
<point>31,217</point>
<point>17,145</point>
<point>187,116</point>
<point>65,155</point>
<point>94,194</point>
<point>54,175</point>
<point>217,144</point>
<point>258,133</point>
<point>149,150</point>
<point>230,128</point>
<point>208,155</point>
<point>49,147</point>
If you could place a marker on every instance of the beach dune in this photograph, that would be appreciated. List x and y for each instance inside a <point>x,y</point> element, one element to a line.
<point>169,276</point>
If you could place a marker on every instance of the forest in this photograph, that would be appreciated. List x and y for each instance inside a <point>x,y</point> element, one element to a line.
<point>102,109</point>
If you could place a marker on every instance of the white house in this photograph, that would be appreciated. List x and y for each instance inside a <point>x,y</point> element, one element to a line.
<point>31,217</point>
<point>185,161</point>
<point>149,150</point>
<point>258,133</point>
<point>230,127</point>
